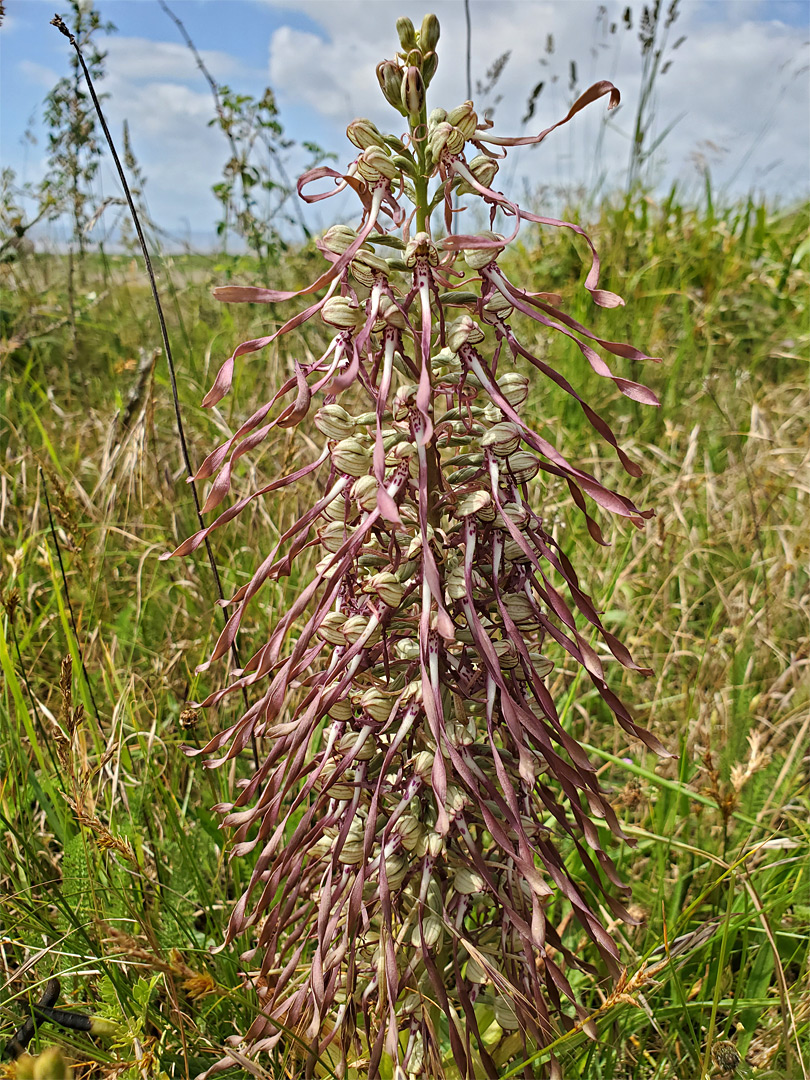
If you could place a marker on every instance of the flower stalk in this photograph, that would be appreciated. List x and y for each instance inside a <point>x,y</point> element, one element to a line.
<point>422,815</point>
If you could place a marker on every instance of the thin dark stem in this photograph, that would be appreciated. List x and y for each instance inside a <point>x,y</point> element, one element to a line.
<point>469,48</point>
<point>214,85</point>
<point>59,24</point>
<point>66,594</point>
<point>10,612</point>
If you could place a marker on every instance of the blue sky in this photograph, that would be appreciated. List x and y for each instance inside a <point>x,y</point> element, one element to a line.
<point>739,84</point>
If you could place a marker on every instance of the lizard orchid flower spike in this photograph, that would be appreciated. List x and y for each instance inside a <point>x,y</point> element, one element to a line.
<point>421,815</point>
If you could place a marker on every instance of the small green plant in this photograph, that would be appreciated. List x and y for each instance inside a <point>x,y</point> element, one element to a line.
<point>422,821</point>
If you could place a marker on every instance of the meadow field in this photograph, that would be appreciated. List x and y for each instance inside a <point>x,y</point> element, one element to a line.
<point>114,875</point>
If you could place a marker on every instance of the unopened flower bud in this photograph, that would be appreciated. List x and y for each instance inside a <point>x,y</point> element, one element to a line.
<point>429,64</point>
<point>351,457</point>
<point>389,314</point>
<point>364,492</point>
<point>520,609</point>
<point>432,932</point>
<point>339,790</point>
<point>484,169</point>
<point>463,331</point>
<point>329,629</point>
<point>465,118</point>
<point>429,33</point>
<point>375,163</point>
<point>472,503</point>
<point>334,535</point>
<point>409,829</point>
<point>354,628</point>
<point>396,867</point>
<point>340,312</point>
<point>514,387</point>
<point>337,238</point>
<point>506,653</point>
<point>467,881</point>
<point>351,853</point>
<point>412,91</point>
<point>423,765</point>
<point>406,32</point>
<point>503,439</point>
<point>377,705</point>
<point>340,710</point>
<point>389,76</point>
<point>387,587</point>
<point>334,422</point>
<point>478,258</point>
<point>363,133</point>
<point>437,116</point>
<point>498,307</point>
<point>523,466</point>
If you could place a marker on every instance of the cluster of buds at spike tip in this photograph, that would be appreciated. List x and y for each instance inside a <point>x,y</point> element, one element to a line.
<point>414,814</point>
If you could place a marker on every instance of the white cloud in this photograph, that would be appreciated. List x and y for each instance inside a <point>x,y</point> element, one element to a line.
<point>140,58</point>
<point>38,74</point>
<point>732,78</point>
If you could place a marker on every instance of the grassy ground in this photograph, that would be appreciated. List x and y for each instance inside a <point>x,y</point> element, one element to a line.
<point>113,872</point>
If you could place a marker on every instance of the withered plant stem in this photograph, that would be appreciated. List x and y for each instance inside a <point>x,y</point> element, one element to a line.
<point>62,28</point>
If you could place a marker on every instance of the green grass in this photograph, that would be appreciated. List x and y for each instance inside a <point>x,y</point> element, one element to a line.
<point>113,872</point>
